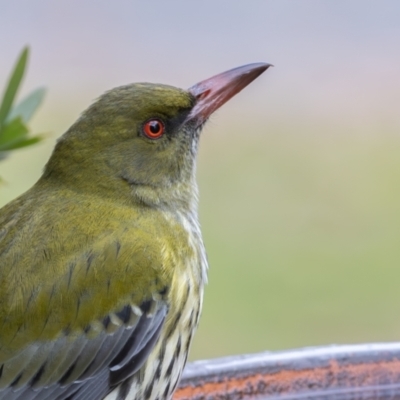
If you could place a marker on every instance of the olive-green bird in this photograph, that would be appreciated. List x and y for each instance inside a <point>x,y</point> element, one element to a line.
<point>102,263</point>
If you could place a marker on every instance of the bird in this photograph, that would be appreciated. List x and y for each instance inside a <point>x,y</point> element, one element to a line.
<point>102,261</point>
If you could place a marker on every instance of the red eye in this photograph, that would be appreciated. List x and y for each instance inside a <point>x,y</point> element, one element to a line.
<point>154,128</point>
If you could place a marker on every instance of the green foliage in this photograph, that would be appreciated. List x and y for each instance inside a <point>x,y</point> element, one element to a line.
<point>14,132</point>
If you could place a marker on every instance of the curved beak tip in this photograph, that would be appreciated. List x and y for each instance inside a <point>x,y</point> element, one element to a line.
<point>213,92</point>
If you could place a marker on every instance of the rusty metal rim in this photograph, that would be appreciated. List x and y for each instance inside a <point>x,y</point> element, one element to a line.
<point>299,373</point>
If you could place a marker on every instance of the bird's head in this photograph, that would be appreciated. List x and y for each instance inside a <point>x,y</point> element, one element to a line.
<point>140,141</point>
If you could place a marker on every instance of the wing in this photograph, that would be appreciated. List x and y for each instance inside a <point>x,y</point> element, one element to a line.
<point>82,367</point>
<point>79,314</point>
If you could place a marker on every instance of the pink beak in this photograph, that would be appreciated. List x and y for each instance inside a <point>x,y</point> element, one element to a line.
<point>213,92</point>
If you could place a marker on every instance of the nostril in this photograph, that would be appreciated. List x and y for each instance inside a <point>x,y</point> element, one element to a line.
<point>204,94</point>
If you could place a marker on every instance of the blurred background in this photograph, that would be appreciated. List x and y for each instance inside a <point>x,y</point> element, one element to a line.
<point>299,174</point>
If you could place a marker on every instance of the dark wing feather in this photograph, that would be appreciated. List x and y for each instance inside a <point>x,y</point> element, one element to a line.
<point>110,358</point>
<point>134,360</point>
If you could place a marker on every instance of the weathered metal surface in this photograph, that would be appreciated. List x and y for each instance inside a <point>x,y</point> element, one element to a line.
<point>368,371</point>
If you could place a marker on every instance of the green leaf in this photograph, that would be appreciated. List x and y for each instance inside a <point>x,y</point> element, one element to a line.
<point>21,143</point>
<point>13,84</point>
<point>13,132</point>
<point>26,108</point>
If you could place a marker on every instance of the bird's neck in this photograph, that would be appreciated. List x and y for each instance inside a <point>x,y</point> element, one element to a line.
<point>177,197</point>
